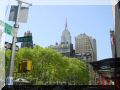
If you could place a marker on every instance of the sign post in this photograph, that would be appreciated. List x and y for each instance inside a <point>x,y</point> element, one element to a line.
<point>16,26</point>
<point>16,17</point>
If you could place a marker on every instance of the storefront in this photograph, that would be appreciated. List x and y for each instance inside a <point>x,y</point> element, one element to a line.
<point>108,71</point>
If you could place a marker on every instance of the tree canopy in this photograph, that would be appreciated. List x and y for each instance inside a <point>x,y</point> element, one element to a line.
<point>49,67</point>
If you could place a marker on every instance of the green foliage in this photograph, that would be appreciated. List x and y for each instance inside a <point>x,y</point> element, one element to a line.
<point>50,67</point>
<point>7,62</point>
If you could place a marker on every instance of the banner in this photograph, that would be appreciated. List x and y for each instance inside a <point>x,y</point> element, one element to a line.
<point>22,16</point>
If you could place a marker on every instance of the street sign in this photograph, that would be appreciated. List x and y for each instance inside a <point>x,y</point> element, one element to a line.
<point>8,29</point>
<point>24,39</point>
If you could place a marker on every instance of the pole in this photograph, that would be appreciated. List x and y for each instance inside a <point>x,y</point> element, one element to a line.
<point>16,27</point>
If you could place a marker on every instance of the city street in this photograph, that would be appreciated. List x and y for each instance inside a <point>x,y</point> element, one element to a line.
<point>61,45</point>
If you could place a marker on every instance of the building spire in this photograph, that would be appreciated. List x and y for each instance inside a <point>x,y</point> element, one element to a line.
<point>66,25</point>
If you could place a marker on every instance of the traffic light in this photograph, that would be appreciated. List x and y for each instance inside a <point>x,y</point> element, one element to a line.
<point>29,65</point>
<point>9,46</point>
<point>25,66</point>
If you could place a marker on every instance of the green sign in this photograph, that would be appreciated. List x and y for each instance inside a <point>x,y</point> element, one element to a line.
<point>24,39</point>
<point>8,29</point>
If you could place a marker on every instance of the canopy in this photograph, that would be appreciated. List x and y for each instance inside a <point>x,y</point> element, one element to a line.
<point>109,68</point>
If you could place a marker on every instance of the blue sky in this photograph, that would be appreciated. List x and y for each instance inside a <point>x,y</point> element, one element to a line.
<point>47,23</point>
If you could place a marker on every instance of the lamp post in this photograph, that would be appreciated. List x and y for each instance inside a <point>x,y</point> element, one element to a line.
<point>16,27</point>
<point>9,80</point>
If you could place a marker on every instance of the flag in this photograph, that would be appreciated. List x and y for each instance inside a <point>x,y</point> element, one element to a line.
<point>112,38</point>
<point>113,42</point>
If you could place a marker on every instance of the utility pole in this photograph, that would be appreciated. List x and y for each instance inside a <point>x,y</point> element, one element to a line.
<point>9,80</point>
<point>16,27</point>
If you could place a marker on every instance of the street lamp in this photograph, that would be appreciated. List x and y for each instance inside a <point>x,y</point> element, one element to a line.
<point>9,80</point>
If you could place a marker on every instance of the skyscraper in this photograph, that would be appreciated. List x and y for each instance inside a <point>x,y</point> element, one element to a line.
<point>66,37</point>
<point>85,49</point>
<point>85,45</point>
<point>66,46</point>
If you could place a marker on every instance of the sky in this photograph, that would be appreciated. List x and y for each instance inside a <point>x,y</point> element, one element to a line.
<point>46,22</point>
<point>67,2</point>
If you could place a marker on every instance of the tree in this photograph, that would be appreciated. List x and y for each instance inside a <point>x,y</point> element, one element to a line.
<point>50,66</point>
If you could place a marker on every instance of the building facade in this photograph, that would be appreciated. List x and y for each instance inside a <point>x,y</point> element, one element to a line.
<point>116,14</point>
<point>66,37</point>
<point>85,47</point>
<point>65,47</point>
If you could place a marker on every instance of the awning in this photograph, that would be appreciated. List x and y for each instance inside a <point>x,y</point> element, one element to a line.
<point>109,67</point>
